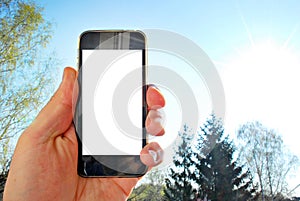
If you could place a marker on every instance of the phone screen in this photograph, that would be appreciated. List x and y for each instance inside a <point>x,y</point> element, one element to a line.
<point>102,132</point>
<point>111,108</point>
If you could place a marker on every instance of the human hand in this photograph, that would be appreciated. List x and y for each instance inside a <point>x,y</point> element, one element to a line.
<point>44,164</point>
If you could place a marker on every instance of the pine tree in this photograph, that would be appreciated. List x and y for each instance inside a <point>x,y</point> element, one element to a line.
<point>219,176</point>
<point>179,181</point>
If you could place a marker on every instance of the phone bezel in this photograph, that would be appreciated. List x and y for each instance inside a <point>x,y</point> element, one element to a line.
<point>77,117</point>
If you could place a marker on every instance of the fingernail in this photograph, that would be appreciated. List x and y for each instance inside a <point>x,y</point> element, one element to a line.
<point>153,154</point>
<point>68,71</point>
<point>156,155</point>
<point>73,74</point>
<point>154,86</point>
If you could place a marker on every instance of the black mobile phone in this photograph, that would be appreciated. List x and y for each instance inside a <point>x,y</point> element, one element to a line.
<point>111,107</point>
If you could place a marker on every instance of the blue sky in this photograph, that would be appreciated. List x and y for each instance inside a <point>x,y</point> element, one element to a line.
<point>217,28</point>
<point>255,46</point>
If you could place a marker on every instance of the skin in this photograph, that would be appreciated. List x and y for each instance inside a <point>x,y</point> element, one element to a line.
<point>44,164</point>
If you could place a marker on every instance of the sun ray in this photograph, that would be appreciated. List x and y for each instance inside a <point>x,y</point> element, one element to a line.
<point>292,34</point>
<point>250,37</point>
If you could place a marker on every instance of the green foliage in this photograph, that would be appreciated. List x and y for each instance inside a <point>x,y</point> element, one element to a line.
<point>151,187</point>
<point>26,78</point>
<point>23,31</point>
<point>148,192</point>
<point>178,184</point>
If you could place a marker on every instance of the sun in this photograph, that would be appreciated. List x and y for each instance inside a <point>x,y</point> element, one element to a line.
<point>262,82</point>
<point>267,56</point>
<point>265,68</point>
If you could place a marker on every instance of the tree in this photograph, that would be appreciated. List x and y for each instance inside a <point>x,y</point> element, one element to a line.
<point>151,188</point>
<point>219,175</point>
<point>179,181</point>
<point>148,192</point>
<point>25,77</point>
<point>266,157</point>
<point>155,176</point>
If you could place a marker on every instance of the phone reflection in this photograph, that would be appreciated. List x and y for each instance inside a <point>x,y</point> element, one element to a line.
<point>118,166</point>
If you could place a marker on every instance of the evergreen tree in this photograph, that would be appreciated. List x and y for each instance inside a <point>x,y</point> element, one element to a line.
<point>179,182</point>
<point>219,176</point>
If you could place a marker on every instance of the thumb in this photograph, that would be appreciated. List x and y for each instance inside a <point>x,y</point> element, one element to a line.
<point>56,117</point>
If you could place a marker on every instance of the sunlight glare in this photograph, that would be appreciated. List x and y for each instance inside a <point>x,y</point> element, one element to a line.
<point>261,83</point>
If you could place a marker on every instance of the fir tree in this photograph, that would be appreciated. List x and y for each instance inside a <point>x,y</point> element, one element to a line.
<point>219,176</point>
<point>179,182</point>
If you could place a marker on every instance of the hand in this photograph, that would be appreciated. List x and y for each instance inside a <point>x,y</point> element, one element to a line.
<point>44,164</point>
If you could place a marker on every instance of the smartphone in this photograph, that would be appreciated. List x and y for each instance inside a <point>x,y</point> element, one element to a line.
<point>111,108</point>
